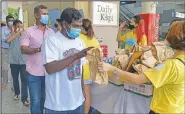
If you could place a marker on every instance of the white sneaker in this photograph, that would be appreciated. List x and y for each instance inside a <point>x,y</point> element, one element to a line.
<point>26,103</point>
<point>16,97</point>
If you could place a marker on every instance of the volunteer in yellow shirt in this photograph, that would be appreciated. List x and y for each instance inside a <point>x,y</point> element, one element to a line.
<point>167,78</point>
<point>90,41</point>
<point>135,36</point>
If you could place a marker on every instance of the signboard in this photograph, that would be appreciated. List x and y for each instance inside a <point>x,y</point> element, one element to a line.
<point>127,2</point>
<point>179,15</point>
<point>105,13</point>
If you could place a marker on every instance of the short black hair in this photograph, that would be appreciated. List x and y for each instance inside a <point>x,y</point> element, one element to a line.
<point>70,14</point>
<point>9,17</point>
<point>137,19</point>
<point>17,22</point>
<point>37,8</point>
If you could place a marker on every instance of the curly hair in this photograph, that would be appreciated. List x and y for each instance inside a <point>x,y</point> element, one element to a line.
<point>176,35</point>
<point>70,14</point>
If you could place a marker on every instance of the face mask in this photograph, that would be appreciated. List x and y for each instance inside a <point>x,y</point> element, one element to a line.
<point>131,27</point>
<point>44,19</point>
<point>10,23</point>
<point>74,33</point>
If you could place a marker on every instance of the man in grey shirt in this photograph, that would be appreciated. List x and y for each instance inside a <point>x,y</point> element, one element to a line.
<point>18,63</point>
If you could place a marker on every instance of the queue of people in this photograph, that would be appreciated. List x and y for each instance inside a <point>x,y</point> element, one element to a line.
<point>53,65</point>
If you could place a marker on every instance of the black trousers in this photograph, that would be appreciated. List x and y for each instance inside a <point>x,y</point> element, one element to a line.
<point>15,71</point>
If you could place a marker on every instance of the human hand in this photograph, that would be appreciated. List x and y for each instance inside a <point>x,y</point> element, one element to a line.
<point>122,25</point>
<point>20,30</point>
<point>104,67</point>
<point>83,53</point>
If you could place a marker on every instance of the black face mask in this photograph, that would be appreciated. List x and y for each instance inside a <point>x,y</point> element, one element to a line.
<point>131,27</point>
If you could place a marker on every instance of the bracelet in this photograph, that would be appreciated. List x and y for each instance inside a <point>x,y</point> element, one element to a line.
<point>115,72</point>
<point>38,49</point>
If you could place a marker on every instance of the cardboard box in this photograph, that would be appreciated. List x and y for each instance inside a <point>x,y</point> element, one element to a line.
<point>142,89</point>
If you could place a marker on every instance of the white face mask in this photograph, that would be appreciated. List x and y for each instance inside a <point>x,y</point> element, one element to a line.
<point>10,23</point>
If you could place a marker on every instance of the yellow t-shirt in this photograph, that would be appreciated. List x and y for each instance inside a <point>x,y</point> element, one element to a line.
<point>130,39</point>
<point>88,43</point>
<point>168,81</point>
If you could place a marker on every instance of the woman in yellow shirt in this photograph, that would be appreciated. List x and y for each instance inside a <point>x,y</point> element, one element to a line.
<point>167,78</point>
<point>135,36</point>
<point>90,41</point>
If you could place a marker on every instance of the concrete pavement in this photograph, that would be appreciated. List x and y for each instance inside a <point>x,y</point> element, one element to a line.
<point>9,105</point>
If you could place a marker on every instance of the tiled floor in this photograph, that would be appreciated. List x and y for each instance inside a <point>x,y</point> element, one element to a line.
<point>9,105</point>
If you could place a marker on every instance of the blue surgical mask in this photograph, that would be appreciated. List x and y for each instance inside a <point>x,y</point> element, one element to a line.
<point>10,24</point>
<point>74,33</point>
<point>44,19</point>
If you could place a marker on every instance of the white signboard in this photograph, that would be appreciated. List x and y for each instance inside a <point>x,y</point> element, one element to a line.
<point>105,13</point>
<point>179,15</point>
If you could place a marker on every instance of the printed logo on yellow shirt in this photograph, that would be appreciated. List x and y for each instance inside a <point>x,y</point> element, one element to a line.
<point>131,42</point>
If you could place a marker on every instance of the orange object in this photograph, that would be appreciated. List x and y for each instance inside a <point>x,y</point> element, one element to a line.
<point>110,74</point>
<point>104,50</point>
<point>151,26</point>
<point>135,56</point>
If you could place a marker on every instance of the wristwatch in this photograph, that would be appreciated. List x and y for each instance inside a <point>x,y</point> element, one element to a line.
<point>38,49</point>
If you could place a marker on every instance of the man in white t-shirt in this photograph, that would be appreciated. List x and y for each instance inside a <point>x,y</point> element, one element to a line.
<point>64,56</point>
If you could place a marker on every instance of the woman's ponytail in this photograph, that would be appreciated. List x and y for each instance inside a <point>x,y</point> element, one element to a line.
<point>90,32</point>
<point>87,25</point>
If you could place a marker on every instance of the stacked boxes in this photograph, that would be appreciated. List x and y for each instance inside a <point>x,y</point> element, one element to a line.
<point>105,50</point>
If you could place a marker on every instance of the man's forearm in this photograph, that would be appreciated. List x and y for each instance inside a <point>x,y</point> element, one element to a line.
<point>131,77</point>
<point>10,39</point>
<point>56,66</point>
<point>29,51</point>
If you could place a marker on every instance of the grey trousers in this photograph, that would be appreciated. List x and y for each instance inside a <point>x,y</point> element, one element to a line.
<point>4,65</point>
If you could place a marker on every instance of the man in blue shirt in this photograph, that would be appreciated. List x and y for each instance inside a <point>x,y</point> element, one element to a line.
<point>5,33</point>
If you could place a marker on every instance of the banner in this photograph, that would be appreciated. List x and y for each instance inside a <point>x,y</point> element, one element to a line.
<point>105,13</point>
<point>151,27</point>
